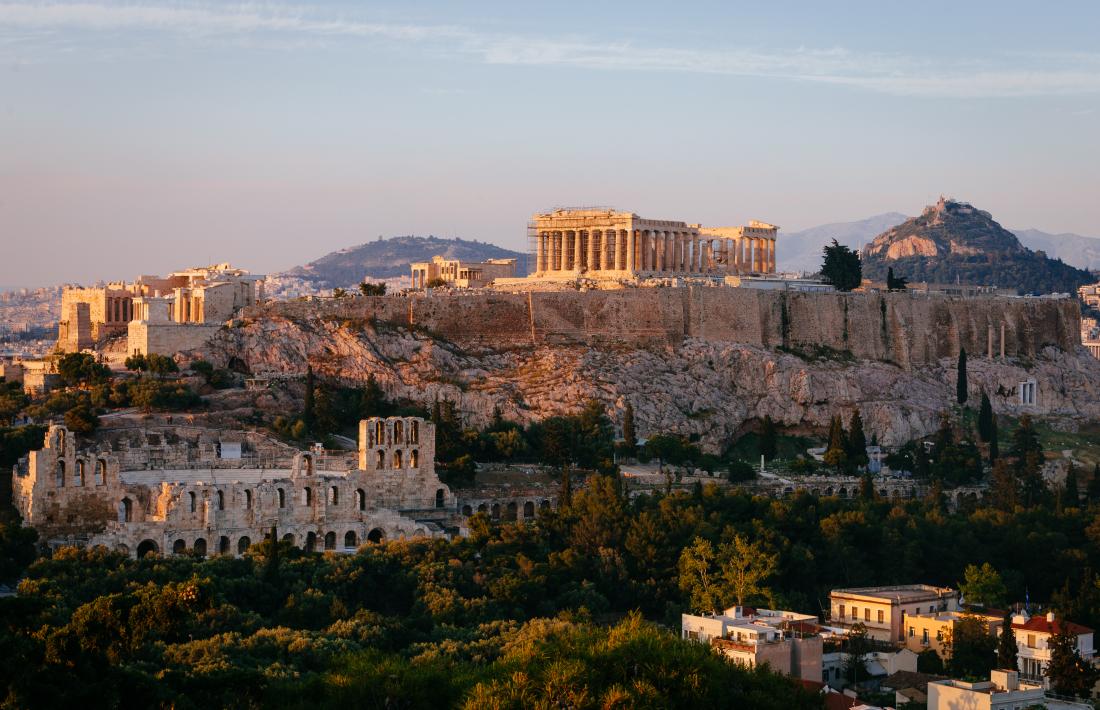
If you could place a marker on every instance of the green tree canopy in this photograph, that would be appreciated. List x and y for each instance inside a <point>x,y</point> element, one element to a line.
<point>841,267</point>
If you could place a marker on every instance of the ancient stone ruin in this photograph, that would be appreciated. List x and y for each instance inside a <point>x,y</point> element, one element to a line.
<point>189,489</point>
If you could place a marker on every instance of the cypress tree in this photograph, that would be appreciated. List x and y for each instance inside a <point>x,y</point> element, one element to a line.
<point>960,383</point>
<point>630,434</point>
<point>857,440</point>
<point>271,569</point>
<point>836,453</point>
<point>1073,491</point>
<point>985,419</point>
<point>994,450</point>
<point>768,443</point>
<point>1007,651</point>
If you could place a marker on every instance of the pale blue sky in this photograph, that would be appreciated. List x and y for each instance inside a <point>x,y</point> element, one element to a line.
<point>139,137</point>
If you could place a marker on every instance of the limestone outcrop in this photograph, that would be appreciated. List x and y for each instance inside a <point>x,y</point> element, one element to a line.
<point>705,361</point>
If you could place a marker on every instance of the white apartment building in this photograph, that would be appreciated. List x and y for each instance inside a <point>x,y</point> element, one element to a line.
<point>1033,634</point>
<point>785,640</point>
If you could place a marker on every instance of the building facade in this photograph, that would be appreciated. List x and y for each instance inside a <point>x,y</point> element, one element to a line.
<point>1033,634</point>
<point>935,631</point>
<point>608,244</point>
<point>187,489</point>
<point>787,641</point>
<point>883,610</point>
<point>461,274</point>
<point>156,314</point>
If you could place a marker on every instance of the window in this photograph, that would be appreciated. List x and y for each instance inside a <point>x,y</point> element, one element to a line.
<point>192,497</point>
<point>855,613</point>
<point>334,496</point>
<point>867,614</point>
<point>939,634</point>
<point>360,499</point>
<point>911,632</point>
<point>880,617</point>
<point>221,500</point>
<point>841,615</point>
<point>307,496</point>
<point>924,637</point>
<point>282,498</point>
<point>1031,640</point>
<point>248,500</point>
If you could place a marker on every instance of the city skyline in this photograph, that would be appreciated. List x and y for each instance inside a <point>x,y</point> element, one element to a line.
<point>270,134</point>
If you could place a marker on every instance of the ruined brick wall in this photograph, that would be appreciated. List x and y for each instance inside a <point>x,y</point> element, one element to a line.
<point>906,329</point>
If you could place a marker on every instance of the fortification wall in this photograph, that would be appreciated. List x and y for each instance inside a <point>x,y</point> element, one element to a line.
<point>906,329</point>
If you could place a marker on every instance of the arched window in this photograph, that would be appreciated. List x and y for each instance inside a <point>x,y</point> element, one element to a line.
<point>351,540</point>
<point>544,505</point>
<point>415,432</point>
<point>307,496</point>
<point>289,537</point>
<point>380,432</point>
<point>397,458</point>
<point>381,463</point>
<point>223,545</point>
<point>398,432</point>
<point>179,547</point>
<point>360,499</point>
<point>330,541</point>
<point>147,547</point>
<point>126,511</point>
<point>308,461</point>
<point>221,500</point>
<point>375,536</point>
<point>100,472</point>
<point>483,508</point>
<point>248,500</point>
<point>334,496</point>
<point>439,497</point>
<point>529,509</point>
<point>311,541</point>
<point>200,547</point>
<point>510,512</point>
<point>191,495</point>
<point>60,474</point>
<point>282,498</point>
<point>80,472</point>
<point>243,544</point>
<point>496,511</point>
<point>467,511</point>
<point>414,459</point>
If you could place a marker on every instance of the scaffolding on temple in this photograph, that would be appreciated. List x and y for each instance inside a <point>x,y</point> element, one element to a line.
<point>532,248</point>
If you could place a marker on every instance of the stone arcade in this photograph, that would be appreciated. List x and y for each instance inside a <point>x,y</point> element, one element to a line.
<point>188,489</point>
<point>604,243</point>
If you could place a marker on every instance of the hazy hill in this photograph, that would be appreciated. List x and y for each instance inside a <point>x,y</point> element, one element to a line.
<point>390,258</point>
<point>801,251</point>
<point>953,240</point>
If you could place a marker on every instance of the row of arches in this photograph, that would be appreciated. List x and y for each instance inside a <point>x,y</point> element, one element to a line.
<point>310,542</point>
<point>508,512</point>
<point>401,434</point>
<point>282,500</point>
<point>397,460</point>
<point>79,472</point>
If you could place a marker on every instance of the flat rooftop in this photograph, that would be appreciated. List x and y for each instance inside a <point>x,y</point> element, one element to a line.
<point>901,592</point>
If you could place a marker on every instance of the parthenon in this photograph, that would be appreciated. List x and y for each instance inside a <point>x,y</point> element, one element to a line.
<point>604,243</point>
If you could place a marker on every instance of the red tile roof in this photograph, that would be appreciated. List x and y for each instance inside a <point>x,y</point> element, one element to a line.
<point>1040,624</point>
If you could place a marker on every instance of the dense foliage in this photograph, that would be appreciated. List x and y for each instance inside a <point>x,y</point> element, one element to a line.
<point>520,615</point>
<point>841,267</point>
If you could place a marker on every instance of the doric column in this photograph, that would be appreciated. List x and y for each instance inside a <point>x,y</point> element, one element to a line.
<point>707,256</point>
<point>578,251</point>
<point>591,264</point>
<point>631,242</point>
<point>758,255</point>
<point>659,261</point>
<point>618,247</point>
<point>670,251</point>
<point>725,247</point>
<point>771,255</point>
<point>540,255</point>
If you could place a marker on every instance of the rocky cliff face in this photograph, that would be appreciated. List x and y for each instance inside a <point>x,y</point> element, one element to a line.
<point>953,240</point>
<point>709,373</point>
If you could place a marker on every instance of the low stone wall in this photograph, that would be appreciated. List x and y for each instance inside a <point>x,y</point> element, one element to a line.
<point>904,329</point>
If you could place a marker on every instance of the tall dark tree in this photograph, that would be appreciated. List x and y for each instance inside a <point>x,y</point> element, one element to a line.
<point>309,414</point>
<point>866,487</point>
<point>630,434</point>
<point>836,453</point>
<point>841,267</point>
<point>373,401</point>
<point>1069,673</point>
<point>994,446</point>
<point>899,283</point>
<point>1072,497</point>
<point>985,418</point>
<point>1004,489</point>
<point>973,649</point>
<point>1007,652</point>
<point>1027,453</point>
<point>769,444</point>
<point>857,441</point>
<point>961,387</point>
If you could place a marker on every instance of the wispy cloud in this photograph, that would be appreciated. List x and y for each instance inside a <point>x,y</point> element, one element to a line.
<point>1013,74</point>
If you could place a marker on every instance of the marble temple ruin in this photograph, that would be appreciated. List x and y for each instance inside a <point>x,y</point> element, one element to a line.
<point>604,243</point>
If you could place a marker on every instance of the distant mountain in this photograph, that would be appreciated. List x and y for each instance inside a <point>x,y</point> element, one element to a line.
<point>388,259</point>
<point>1082,252</point>
<point>801,251</point>
<point>953,240</point>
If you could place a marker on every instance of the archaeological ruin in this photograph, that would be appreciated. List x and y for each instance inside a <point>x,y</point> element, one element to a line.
<point>156,314</point>
<point>608,244</point>
<point>186,489</point>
